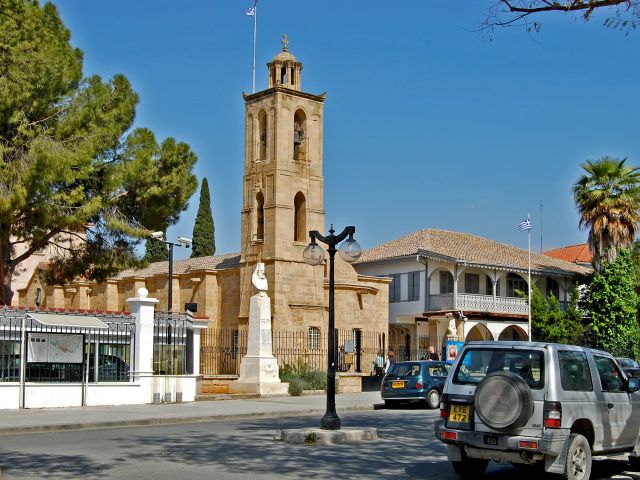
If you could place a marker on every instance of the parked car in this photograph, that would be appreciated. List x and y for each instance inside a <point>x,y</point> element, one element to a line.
<point>418,380</point>
<point>111,368</point>
<point>630,366</point>
<point>537,403</point>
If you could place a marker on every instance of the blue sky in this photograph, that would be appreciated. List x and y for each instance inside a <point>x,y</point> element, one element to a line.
<point>428,123</point>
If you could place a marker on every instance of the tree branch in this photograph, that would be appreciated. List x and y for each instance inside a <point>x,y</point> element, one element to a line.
<point>575,5</point>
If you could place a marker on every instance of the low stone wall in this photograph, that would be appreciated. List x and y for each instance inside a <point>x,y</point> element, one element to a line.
<point>349,382</point>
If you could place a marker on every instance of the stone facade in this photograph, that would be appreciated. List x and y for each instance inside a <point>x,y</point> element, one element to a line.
<point>283,199</point>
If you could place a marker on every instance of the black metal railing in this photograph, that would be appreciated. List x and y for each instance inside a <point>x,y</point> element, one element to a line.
<point>172,344</point>
<point>115,348</point>
<point>221,350</point>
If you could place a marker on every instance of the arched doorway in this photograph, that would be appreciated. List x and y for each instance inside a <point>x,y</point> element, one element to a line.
<point>513,332</point>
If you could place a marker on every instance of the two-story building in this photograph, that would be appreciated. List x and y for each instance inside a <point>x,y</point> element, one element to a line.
<point>453,285</point>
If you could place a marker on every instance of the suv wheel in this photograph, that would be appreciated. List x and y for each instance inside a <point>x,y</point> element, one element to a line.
<point>503,401</point>
<point>469,468</point>
<point>578,458</point>
<point>433,398</point>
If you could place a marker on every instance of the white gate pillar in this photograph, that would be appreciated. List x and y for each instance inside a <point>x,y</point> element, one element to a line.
<point>142,308</point>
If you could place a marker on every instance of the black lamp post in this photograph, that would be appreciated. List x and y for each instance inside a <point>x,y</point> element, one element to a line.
<point>313,254</point>
<point>182,242</point>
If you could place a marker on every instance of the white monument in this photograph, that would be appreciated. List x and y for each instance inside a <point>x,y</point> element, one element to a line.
<point>259,368</point>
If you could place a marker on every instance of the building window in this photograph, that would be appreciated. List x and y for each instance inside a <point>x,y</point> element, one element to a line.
<point>262,134</point>
<point>299,126</point>
<point>472,283</point>
<point>313,338</point>
<point>260,216</point>
<point>299,220</point>
<point>515,282</point>
<point>553,287</point>
<point>414,286</point>
<point>446,282</point>
<point>394,288</point>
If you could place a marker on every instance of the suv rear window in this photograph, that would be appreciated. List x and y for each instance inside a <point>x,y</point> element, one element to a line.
<point>477,363</point>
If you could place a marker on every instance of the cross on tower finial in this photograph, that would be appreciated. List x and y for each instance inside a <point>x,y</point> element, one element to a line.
<point>285,42</point>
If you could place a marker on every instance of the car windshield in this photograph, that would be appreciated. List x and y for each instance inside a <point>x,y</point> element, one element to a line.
<point>405,369</point>
<point>477,363</point>
<point>627,363</point>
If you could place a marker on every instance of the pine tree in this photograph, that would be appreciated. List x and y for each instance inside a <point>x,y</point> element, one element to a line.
<point>156,251</point>
<point>204,240</point>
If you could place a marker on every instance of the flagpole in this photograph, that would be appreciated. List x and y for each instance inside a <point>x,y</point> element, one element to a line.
<point>529,284</point>
<point>255,21</point>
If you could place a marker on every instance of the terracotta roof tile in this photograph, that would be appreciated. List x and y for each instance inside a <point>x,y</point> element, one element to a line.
<point>580,253</point>
<point>467,248</point>
<point>214,262</point>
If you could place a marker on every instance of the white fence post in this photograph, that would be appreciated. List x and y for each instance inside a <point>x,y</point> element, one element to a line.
<point>143,309</point>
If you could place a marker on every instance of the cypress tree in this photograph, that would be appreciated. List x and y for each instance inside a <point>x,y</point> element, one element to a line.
<point>204,241</point>
<point>156,251</point>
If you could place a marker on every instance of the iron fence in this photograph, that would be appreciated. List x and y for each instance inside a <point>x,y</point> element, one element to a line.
<point>172,344</point>
<point>221,350</point>
<point>114,347</point>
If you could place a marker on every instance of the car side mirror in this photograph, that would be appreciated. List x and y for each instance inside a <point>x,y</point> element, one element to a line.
<point>634,384</point>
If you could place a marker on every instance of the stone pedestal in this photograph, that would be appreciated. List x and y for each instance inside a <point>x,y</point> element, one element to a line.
<point>259,368</point>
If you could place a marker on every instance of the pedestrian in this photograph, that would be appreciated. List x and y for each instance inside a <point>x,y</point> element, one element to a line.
<point>391,359</point>
<point>378,365</point>
<point>431,353</point>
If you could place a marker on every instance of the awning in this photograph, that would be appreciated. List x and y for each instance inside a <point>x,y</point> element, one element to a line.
<point>62,320</point>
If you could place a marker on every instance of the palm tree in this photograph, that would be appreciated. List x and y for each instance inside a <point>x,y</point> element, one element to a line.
<point>607,197</point>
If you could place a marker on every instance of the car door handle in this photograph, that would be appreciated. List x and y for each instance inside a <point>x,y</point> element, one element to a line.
<point>609,406</point>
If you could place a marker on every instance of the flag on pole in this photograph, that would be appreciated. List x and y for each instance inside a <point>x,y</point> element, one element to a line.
<point>526,225</point>
<point>250,12</point>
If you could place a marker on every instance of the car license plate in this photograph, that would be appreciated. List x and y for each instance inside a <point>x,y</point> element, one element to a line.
<point>459,413</point>
<point>397,384</point>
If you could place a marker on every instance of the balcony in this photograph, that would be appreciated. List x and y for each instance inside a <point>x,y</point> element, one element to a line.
<point>481,303</point>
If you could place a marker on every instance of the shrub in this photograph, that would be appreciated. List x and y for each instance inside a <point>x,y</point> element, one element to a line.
<point>300,377</point>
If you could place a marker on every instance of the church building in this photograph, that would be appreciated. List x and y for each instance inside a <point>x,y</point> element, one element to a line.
<point>283,199</point>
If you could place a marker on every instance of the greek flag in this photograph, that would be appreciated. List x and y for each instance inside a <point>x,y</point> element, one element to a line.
<point>526,225</point>
<point>250,12</point>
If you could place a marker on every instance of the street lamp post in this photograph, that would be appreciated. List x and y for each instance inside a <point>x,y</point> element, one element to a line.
<point>182,242</point>
<point>313,254</point>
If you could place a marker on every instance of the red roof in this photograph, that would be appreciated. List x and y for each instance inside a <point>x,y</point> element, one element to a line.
<point>573,253</point>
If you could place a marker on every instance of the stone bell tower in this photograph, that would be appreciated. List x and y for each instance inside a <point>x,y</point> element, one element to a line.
<point>283,194</point>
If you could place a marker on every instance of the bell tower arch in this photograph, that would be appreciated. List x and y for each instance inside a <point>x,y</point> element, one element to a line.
<point>282,191</point>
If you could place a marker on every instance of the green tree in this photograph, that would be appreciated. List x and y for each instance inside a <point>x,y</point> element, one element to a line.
<point>71,167</point>
<point>156,251</point>
<point>624,14</point>
<point>612,303</point>
<point>204,231</point>
<point>550,323</point>
<point>607,197</point>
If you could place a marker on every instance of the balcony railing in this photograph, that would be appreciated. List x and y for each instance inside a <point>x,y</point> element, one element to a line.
<point>482,303</point>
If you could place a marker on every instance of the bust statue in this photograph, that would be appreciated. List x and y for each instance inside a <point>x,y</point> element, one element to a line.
<point>259,279</point>
<point>452,330</point>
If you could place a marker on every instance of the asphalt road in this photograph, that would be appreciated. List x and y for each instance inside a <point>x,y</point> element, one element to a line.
<point>406,449</point>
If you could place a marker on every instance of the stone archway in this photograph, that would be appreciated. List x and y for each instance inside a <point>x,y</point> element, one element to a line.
<point>479,332</point>
<point>513,332</point>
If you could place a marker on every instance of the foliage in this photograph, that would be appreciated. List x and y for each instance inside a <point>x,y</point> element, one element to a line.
<point>73,173</point>
<point>549,323</point>
<point>156,251</point>
<point>612,303</point>
<point>300,378</point>
<point>625,14</point>
<point>204,240</point>
<point>607,197</point>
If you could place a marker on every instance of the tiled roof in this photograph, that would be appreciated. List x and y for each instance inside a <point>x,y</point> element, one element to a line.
<point>580,253</point>
<point>466,248</point>
<point>213,262</point>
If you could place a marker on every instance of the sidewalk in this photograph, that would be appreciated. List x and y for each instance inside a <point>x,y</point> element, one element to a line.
<point>78,418</point>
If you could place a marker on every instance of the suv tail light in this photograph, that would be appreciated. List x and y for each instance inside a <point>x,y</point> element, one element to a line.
<point>552,414</point>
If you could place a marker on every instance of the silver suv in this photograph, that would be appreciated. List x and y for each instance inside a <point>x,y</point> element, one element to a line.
<point>537,403</point>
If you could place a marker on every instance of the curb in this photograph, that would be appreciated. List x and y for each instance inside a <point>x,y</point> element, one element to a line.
<point>141,422</point>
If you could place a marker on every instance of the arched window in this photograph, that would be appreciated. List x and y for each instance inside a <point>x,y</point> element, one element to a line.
<point>260,216</point>
<point>262,132</point>
<point>299,135</point>
<point>300,218</point>
<point>553,287</point>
